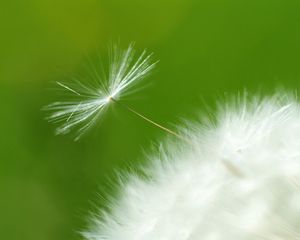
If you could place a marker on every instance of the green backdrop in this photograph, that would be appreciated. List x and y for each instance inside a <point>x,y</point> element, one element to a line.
<point>49,184</point>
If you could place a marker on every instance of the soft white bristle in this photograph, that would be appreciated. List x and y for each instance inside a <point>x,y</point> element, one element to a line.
<point>125,70</point>
<point>239,180</point>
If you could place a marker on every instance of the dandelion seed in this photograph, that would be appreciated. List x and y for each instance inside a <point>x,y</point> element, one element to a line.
<point>125,71</point>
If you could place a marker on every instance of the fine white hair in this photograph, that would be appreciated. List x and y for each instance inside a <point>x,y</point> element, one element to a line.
<point>239,179</point>
<point>89,101</point>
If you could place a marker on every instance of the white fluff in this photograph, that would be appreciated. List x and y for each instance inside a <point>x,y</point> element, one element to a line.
<point>238,180</point>
<point>89,101</point>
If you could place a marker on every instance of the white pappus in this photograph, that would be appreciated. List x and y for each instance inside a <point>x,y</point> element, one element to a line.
<point>91,100</point>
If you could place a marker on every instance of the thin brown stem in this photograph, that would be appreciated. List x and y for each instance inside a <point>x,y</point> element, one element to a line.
<point>150,121</point>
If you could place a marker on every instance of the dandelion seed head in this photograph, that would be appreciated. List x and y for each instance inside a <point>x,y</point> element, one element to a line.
<point>90,101</point>
<point>240,180</point>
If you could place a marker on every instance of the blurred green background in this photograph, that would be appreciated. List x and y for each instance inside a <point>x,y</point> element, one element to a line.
<point>49,184</point>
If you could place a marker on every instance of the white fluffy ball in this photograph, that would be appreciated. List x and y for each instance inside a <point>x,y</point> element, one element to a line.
<point>239,179</point>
